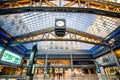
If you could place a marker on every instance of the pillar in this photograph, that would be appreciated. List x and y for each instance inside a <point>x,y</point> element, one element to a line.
<point>45,68</point>
<point>103,73</point>
<point>79,3</point>
<point>59,3</point>
<point>63,73</point>
<point>82,71</point>
<point>40,2</point>
<point>71,64</point>
<point>32,62</point>
<point>21,67</point>
<point>98,70</point>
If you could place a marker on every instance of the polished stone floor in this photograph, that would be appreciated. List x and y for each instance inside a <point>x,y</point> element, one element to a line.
<point>66,77</point>
<point>85,77</point>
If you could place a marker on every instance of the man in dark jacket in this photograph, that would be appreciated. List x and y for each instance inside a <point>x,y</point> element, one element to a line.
<point>118,75</point>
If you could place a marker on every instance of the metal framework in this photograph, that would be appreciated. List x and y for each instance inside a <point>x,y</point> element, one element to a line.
<point>65,66</point>
<point>48,35</point>
<point>62,56</point>
<point>59,9</point>
<point>2,37</point>
<point>113,43</point>
<point>100,4</point>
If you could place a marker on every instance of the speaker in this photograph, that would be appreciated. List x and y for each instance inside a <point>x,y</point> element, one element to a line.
<point>60,27</point>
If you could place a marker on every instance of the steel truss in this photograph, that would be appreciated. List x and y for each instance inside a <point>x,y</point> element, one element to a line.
<point>59,9</point>
<point>101,5</point>
<point>62,56</point>
<point>48,34</point>
<point>4,40</point>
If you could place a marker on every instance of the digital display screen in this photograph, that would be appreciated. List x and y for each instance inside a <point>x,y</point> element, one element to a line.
<point>11,57</point>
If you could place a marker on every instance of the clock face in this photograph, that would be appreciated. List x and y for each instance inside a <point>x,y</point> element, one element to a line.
<point>60,23</point>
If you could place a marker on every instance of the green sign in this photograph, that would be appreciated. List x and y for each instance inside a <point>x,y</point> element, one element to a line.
<point>11,57</point>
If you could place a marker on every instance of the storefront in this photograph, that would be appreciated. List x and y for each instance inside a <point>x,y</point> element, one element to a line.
<point>9,70</point>
<point>111,70</point>
<point>107,64</point>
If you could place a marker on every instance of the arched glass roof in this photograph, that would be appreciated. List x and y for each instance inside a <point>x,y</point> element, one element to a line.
<point>18,24</point>
<point>23,23</point>
<point>78,21</point>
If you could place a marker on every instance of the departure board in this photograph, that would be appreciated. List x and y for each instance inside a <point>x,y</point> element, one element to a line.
<point>11,57</point>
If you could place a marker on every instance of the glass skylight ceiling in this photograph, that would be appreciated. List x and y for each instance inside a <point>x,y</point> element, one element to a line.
<point>18,24</point>
<point>37,21</point>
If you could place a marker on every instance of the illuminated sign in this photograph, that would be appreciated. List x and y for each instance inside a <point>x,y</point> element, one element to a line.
<point>11,57</point>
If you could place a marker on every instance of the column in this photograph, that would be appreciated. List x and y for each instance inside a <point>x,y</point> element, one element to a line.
<point>79,3</point>
<point>45,69</point>
<point>21,67</point>
<point>63,73</point>
<point>103,74</point>
<point>71,64</point>
<point>98,70</point>
<point>40,2</point>
<point>59,3</point>
<point>32,62</point>
<point>82,71</point>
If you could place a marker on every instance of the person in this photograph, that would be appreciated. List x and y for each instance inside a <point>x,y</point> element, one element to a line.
<point>74,74</point>
<point>53,72</point>
<point>118,75</point>
<point>60,75</point>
